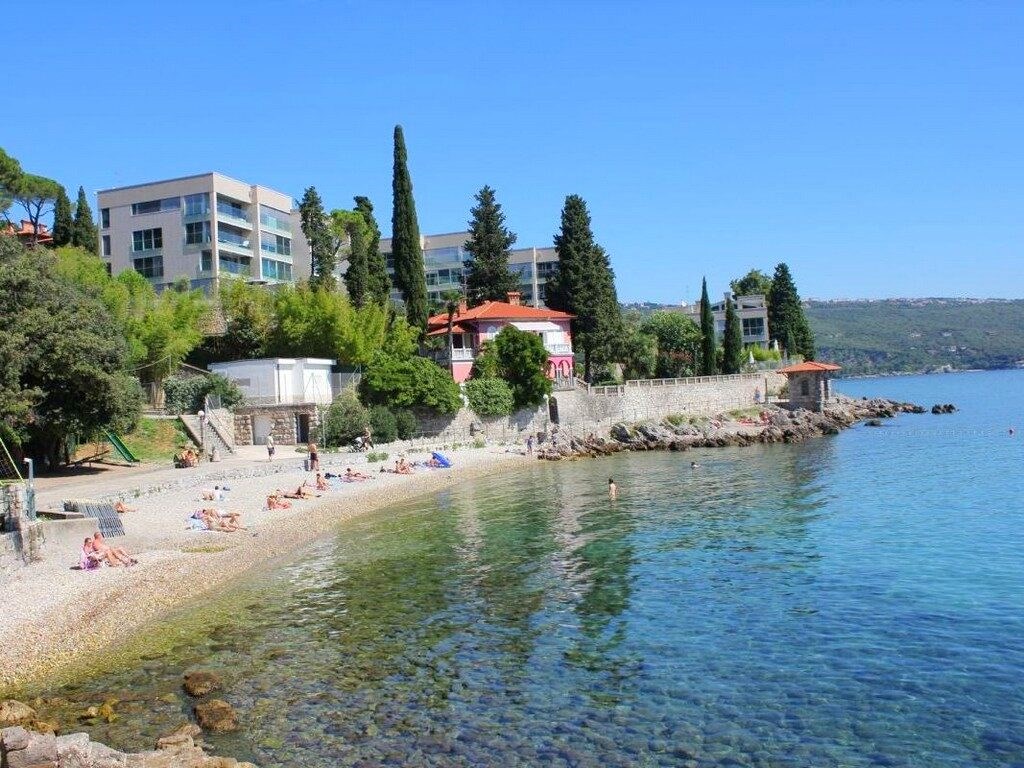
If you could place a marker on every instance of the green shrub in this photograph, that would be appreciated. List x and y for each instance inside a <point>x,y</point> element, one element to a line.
<point>187,394</point>
<point>346,419</point>
<point>489,397</point>
<point>374,456</point>
<point>409,383</point>
<point>407,424</point>
<point>523,362</point>
<point>762,354</point>
<point>382,421</point>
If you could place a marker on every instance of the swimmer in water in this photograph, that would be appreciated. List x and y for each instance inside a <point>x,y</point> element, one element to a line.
<point>613,490</point>
<point>694,465</point>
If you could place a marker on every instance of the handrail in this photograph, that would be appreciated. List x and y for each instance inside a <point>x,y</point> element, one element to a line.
<point>228,437</point>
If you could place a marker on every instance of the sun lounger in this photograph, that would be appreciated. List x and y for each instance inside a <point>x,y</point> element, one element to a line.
<point>107,519</point>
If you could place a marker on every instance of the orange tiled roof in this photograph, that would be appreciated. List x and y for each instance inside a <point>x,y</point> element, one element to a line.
<point>500,310</point>
<point>443,329</point>
<point>809,367</point>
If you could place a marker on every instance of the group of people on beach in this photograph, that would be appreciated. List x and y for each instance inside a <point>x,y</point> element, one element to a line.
<point>96,553</point>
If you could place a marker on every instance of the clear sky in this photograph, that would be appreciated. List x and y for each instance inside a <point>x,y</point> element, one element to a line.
<point>875,147</point>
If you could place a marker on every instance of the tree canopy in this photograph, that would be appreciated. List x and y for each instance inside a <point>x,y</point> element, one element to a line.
<point>754,283</point>
<point>732,343</point>
<point>378,285</point>
<point>522,363</point>
<point>323,245</point>
<point>84,233</point>
<point>787,322</point>
<point>678,340</point>
<point>63,220</point>
<point>488,276</point>
<point>584,285</point>
<point>413,382</point>
<point>406,251</point>
<point>708,346</point>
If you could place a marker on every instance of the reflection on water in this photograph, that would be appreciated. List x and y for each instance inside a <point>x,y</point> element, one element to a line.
<point>827,604</point>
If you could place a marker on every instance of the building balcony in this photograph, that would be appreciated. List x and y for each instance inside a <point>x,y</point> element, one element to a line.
<point>232,215</point>
<point>558,349</point>
<point>276,225</point>
<point>232,244</point>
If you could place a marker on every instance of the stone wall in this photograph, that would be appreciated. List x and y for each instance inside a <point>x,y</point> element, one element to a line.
<point>582,411</point>
<point>23,542</point>
<point>282,421</point>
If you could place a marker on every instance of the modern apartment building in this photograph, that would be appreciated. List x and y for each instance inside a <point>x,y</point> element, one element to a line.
<point>445,259</point>
<point>203,228</point>
<point>752,311</point>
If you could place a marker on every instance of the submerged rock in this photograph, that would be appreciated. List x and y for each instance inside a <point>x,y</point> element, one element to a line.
<point>217,716</point>
<point>201,683</point>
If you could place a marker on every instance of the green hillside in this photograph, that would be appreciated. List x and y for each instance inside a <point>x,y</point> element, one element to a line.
<point>902,335</point>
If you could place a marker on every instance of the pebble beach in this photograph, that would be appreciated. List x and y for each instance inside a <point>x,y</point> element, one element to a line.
<point>55,618</point>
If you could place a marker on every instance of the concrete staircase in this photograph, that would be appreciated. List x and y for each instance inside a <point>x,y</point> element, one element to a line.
<point>212,435</point>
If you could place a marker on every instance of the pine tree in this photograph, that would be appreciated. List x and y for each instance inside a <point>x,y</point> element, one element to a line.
<point>584,285</point>
<point>323,247</point>
<point>84,232</point>
<point>63,223</point>
<point>489,277</point>
<point>733,342</point>
<point>405,240</point>
<point>708,347</point>
<point>378,281</point>
<point>787,322</point>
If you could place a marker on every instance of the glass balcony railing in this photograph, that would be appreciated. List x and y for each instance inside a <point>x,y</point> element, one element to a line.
<point>281,225</point>
<point>230,238</point>
<point>232,212</point>
<point>234,268</point>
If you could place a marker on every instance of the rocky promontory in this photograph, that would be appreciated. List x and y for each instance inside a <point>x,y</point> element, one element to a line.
<point>760,425</point>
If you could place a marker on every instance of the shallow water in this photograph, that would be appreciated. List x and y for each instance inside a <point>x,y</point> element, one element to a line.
<point>851,601</point>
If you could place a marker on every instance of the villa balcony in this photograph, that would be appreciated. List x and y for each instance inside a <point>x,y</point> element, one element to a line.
<point>558,349</point>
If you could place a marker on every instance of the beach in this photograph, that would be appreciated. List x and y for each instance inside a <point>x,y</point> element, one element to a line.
<point>56,618</point>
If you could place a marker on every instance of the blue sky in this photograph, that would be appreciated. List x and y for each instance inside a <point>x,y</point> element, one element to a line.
<point>875,147</point>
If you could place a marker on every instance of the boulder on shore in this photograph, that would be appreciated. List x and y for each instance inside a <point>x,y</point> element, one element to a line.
<point>14,712</point>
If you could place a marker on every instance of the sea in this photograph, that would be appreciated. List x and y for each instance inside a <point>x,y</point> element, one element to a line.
<point>853,600</point>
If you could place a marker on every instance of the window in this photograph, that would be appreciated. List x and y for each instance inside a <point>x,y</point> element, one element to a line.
<point>206,261</point>
<point>805,387</point>
<point>106,245</point>
<point>753,326</point>
<point>155,206</point>
<point>546,268</point>
<point>277,270</point>
<point>272,217</point>
<point>147,239</point>
<point>197,232</point>
<point>105,217</point>
<point>275,244</point>
<point>149,266</point>
<point>197,205</point>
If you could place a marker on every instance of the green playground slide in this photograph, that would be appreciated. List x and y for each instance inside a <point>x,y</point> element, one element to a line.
<point>120,447</point>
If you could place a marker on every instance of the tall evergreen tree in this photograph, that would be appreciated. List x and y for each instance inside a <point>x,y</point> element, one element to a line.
<point>323,246</point>
<point>708,347</point>
<point>584,285</point>
<point>787,322</point>
<point>84,234</point>
<point>489,277</point>
<point>405,240</point>
<point>63,221</point>
<point>732,359</point>
<point>351,226</point>
<point>378,281</point>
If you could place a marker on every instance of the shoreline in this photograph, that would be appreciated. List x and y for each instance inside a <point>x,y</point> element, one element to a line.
<point>42,639</point>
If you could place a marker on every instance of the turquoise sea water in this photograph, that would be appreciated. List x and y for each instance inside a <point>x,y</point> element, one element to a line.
<point>850,601</point>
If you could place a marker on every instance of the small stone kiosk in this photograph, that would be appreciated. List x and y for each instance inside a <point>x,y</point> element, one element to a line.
<point>810,384</point>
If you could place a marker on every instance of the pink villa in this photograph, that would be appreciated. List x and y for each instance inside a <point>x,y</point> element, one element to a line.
<point>471,327</point>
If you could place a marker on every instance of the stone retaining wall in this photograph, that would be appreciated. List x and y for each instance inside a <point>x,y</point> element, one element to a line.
<point>582,411</point>
<point>282,421</point>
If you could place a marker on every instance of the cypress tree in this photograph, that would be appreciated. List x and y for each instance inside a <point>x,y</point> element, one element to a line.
<point>489,242</point>
<point>84,232</point>
<point>584,285</point>
<point>733,342</point>
<point>787,322</point>
<point>378,281</point>
<point>322,247</point>
<point>63,224</point>
<point>405,240</point>
<point>357,277</point>
<point>708,347</point>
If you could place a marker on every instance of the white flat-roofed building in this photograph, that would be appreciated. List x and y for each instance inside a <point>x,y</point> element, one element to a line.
<point>445,259</point>
<point>202,228</point>
<point>284,380</point>
<point>751,310</point>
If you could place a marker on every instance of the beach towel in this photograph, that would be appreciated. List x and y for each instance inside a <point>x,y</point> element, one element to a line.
<point>441,459</point>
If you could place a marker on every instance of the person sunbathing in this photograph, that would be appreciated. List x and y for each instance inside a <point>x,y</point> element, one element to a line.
<point>214,521</point>
<point>120,507</point>
<point>402,467</point>
<point>306,491</point>
<point>321,484</point>
<point>275,501</point>
<point>351,477</point>
<point>113,555</point>
<point>89,560</point>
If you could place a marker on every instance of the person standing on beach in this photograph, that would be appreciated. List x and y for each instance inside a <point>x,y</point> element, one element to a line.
<point>314,458</point>
<point>270,447</point>
<point>529,446</point>
<point>613,490</point>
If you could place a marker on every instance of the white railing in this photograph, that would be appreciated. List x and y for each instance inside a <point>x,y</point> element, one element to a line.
<point>559,349</point>
<point>462,354</point>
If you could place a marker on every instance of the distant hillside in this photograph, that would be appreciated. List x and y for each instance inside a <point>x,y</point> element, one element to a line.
<point>908,335</point>
<point>904,335</point>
